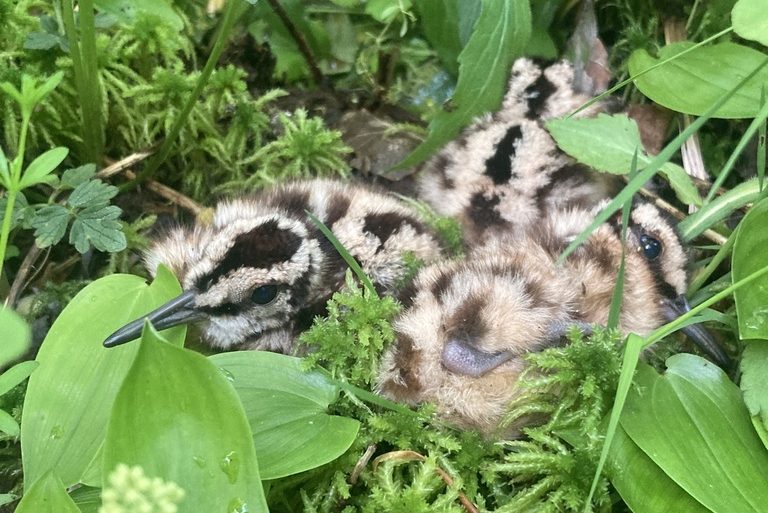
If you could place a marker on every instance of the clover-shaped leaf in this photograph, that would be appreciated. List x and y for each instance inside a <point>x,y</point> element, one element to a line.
<point>93,193</point>
<point>72,178</point>
<point>50,224</point>
<point>97,225</point>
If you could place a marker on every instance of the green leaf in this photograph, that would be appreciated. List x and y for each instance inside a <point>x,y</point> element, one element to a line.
<point>8,424</point>
<point>693,82</point>
<point>21,211</point>
<point>70,396</point>
<point>71,178</point>
<point>500,35</point>
<point>87,498</point>
<point>37,93</point>
<point>16,336</point>
<point>642,484</point>
<point>712,213</point>
<point>440,22</point>
<point>98,226</point>
<point>754,379</point>
<point>693,417</point>
<point>42,166</point>
<point>385,11</point>
<point>92,193</point>
<point>286,407</point>
<point>749,20</point>
<point>5,176</point>
<point>178,417</point>
<point>50,224</point>
<point>608,144</point>
<point>41,41</point>
<point>748,257</point>
<point>16,375</point>
<point>47,495</point>
<point>126,11</point>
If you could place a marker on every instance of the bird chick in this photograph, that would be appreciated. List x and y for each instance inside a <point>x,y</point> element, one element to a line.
<point>262,270</point>
<point>505,170</point>
<point>461,344</point>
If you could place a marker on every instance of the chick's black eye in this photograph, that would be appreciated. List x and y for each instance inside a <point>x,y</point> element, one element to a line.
<point>264,294</point>
<point>651,247</point>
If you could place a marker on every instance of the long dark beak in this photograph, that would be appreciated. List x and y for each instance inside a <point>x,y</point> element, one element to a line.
<point>674,308</point>
<point>176,311</point>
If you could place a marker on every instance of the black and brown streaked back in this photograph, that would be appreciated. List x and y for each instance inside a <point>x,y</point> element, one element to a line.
<point>505,170</point>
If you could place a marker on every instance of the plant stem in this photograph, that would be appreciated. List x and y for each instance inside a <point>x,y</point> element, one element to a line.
<point>13,187</point>
<point>227,22</point>
<point>6,229</point>
<point>721,255</point>
<point>301,41</point>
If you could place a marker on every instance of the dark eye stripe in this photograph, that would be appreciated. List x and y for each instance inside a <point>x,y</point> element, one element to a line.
<point>262,247</point>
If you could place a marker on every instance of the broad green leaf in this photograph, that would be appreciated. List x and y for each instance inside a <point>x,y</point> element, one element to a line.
<point>749,20</point>
<point>72,178</point>
<point>47,495</point>
<point>693,417</point>
<point>500,35</point>
<point>442,22</point>
<point>16,375</point>
<point>642,484</point>
<point>70,396</point>
<point>754,379</point>
<point>608,144</point>
<point>693,82</point>
<point>8,424</point>
<point>178,418</point>
<point>16,336</point>
<point>87,499</point>
<point>749,256</point>
<point>98,226</point>
<point>286,407</point>
<point>39,169</point>
<point>50,224</point>
<point>719,209</point>
<point>92,193</point>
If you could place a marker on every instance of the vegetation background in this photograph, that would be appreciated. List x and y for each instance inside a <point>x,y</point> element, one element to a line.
<point>119,114</point>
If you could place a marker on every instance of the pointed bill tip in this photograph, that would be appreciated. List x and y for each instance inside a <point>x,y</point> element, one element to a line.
<point>176,311</point>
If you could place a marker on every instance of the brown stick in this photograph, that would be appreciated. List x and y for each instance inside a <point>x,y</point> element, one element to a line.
<point>20,281</point>
<point>306,52</point>
<point>123,164</point>
<point>709,234</point>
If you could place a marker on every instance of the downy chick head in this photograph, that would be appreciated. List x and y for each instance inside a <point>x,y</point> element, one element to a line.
<point>262,270</point>
<point>460,345</point>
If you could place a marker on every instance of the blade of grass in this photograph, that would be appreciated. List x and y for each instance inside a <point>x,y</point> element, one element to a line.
<point>653,166</point>
<point>756,125</point>
<point>618,292</point>
<point>761,145</point>
<point>632,350</point>
<point>232,12</point>
<point>717,259</point>
<point>348,258</point>
<point>370,397</point>
<point>693,225</point>
<point>655,66</point>
<point>85,68</point>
